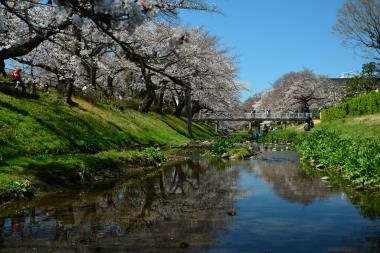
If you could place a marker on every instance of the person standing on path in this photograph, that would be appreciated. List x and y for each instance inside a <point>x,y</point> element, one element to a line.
<point>17,79</point>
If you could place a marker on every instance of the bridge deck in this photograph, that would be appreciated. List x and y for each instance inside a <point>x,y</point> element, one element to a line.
<point>223,116</point>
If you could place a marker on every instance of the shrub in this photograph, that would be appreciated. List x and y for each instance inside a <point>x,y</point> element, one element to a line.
<point>360,162</point>
<point>361,105</point>
<point>220,147</point>
<point>280,136</point>
<point>154,153</point>
<point>237,139</point>
<point>20,187</point>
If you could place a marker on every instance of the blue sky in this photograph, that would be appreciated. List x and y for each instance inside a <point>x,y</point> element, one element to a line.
<point>273,37</point>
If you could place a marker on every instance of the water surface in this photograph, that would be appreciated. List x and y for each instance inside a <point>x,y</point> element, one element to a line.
<point>266,205</point>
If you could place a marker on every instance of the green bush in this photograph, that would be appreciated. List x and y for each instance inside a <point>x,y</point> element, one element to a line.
<point>154,153</point>
<point>237,139</point>
<point>220,147</point>
<point>280,136</point>
<point>361,105</point>
<point>358,161</point>
<point>20,187</point>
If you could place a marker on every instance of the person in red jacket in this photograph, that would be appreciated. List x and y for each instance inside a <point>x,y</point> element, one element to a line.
<point>17,80</point>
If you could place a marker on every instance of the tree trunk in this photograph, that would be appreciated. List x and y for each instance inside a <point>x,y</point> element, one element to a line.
<point>23,88</point>
<point>33,82</point>
<point>179,108</point>
<point>2,68</point>
<point>34,87</point>
<point>189,112</point>
<point>61,86</point>
<point>179,103</point>
<point>93,71</point>
<point>196,107</point>
<point>160,102</point>
<point>306,108</point>
<point>69,93</point>
<point>150,91</point>
<point>148,100</point>
<point>110,94</point>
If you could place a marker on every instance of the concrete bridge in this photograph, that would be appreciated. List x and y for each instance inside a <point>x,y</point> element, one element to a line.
<point>250,117</point>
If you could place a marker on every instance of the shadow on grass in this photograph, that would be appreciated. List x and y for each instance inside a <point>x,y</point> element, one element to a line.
<point>63,171</point>
<point>198,131</point>
<point>57,132</point>
<point>115,126</point>
<point>13,108</point>
<point>18,94</point>
<point>82,133</point>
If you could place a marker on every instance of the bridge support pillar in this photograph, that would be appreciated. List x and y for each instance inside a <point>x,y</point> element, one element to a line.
<point>250,126</point>
<point>217,126</point>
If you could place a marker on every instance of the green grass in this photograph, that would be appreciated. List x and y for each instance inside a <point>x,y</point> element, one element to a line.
<point>360,128</point>
<point>282,136</point>
<point>46,126</point>
<point>18,174</point>
<point>240,152</point>
<point>40,135</point>
<point>349,147</point>
<point>233,147</point>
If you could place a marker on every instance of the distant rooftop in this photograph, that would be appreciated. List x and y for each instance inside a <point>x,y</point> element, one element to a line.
<point>348,74</point>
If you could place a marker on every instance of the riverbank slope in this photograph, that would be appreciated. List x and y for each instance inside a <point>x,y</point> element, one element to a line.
<point>39,135</point>
<point>349,147</point>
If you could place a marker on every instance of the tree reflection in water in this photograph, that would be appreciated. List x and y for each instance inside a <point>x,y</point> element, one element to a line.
<point>294,185</point>
<point>186,202</point>
<point>290,182</point>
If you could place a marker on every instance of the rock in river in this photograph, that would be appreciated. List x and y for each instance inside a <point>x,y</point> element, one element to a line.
<point>225,155</point>
<point>320,166</point>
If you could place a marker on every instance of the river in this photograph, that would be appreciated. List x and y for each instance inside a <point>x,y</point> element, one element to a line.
<point>199,205</point>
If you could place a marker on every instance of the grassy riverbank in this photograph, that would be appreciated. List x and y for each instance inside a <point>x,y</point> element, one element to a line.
<point>40,136</point>
<point>27,175</point>
<point>349,147</point>
<point>46,126</point>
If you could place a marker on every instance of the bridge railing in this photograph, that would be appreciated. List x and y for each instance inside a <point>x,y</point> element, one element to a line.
<point>250,116</point>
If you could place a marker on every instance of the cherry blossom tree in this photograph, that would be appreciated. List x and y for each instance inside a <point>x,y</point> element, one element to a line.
<point>194,57</point>
<point>296,91</point>
<point>87,44</point>
<point>27,23</point>
<point>24,25</point>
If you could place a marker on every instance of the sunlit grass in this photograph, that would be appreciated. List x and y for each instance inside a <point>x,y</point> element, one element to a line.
<point>47,126</point>
<point>357,128</point>
<point>41,135</point>
<point>361,128</point>
<point>349,146</point>
<point>36,168</point>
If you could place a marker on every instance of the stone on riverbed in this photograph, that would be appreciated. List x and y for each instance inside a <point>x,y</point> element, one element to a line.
<point>325,178</point>
<point>206,143</point>
<point>359,187</point>
<point>320,166</point>
<point>225,155</point>
<point>235,157</point>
